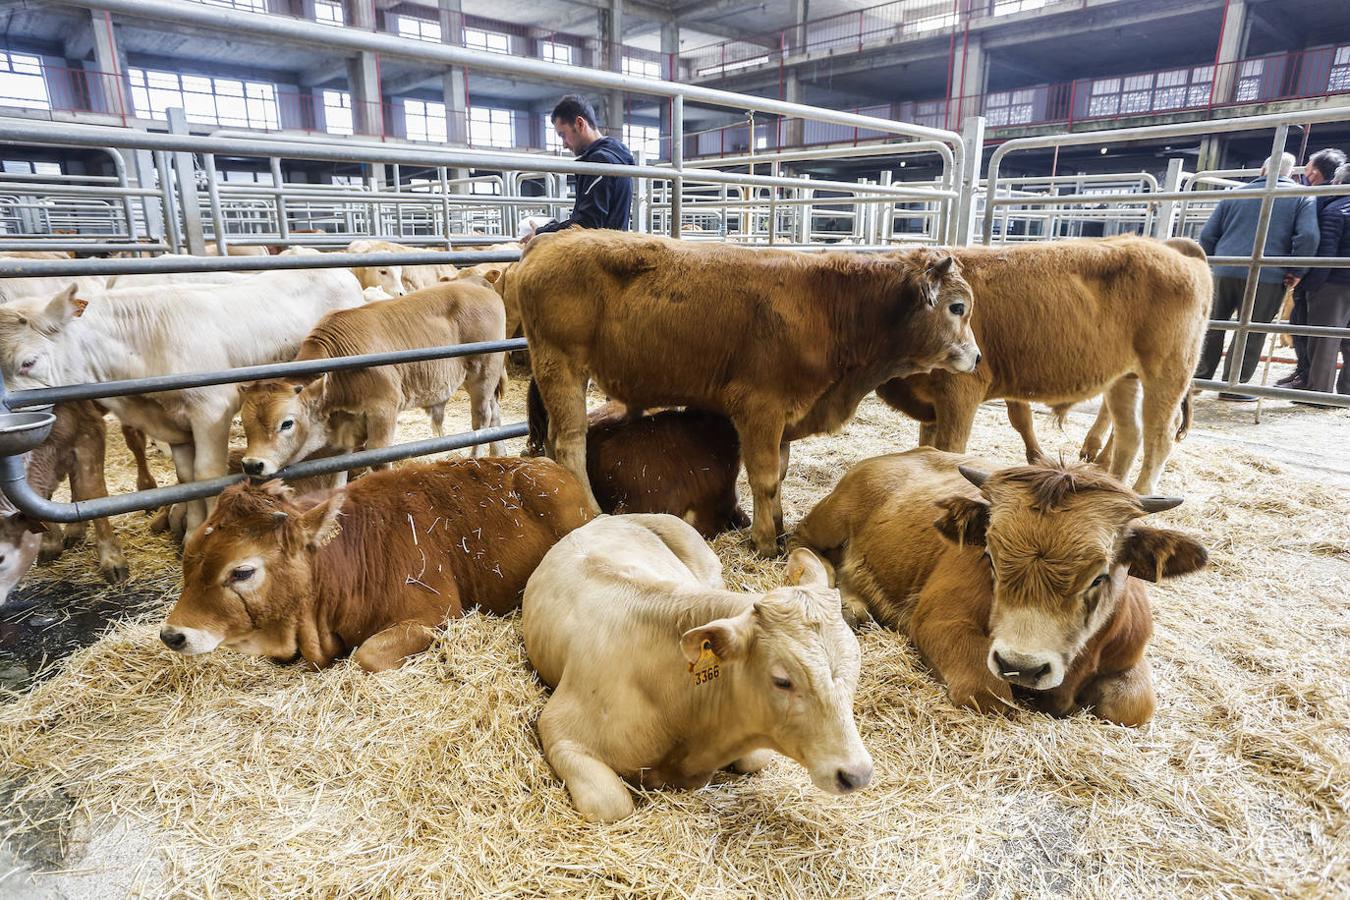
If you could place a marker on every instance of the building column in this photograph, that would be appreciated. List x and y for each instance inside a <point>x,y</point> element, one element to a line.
<point>363,72</point>
<point>670,48</point>
<point>794,135</point>
<point>1232,47</point>
<point>612,37</point>
<point>1211,153</point>
<point>111,64</point>
<point>970,73</point>
<point>454,83</point>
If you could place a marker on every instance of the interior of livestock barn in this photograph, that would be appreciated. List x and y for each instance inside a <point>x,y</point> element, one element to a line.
<point>282,302</point>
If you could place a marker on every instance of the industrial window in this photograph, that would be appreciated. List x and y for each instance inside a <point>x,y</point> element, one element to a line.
<point>30,167</point>
<point>1339,80</point>
<point>21,82</point>
<point>248,5</point>
<point>329,12</point>
<point>552,143</point>
<point>552,51</point>
<point>490,127</point>
<point>1005,7</point>
<point>643,139</point>
<point>205,99</point>
<point>1249,80</point>
<point>1202,86</point>
<point>484,187</point>
<point>248,177</point>
<point>337,112</point>
<point>641,68</point>
<point>491,41</point>
<point>1010,107</point>
<point>420,29</point>
<point>424,120</point>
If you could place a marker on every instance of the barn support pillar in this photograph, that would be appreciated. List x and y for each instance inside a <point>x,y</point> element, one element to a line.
<point>111,64</point>
<point>670,48</point>
<point>454,83</point>
<point>1233,36</point>
<point>613,42</point>
<point>970,73</point>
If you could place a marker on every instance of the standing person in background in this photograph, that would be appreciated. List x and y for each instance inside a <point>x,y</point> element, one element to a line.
<point>603,201</point>
<point>1321,169</point>
<point>1329,294</point>
<point>1231,231</point>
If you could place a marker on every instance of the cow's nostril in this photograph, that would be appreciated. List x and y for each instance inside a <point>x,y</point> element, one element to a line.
<point>1041,672</point>
<point>849,781</point>
<point>174,640</point>
<point>1005,668</point>
<point>252,467</point>
<point>978,357</point>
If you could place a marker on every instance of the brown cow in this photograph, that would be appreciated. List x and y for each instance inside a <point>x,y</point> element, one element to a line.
<point>1062,321</point>
<point>784,344</point>
<point>681,462</point>
<point>287,420</point>
<point>1028,582</point>
<point>75,450</point>
<point>372,568</point>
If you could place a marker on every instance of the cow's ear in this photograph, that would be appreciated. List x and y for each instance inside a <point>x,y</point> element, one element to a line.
<point>1157,553</point>
<point>727,638</point>
<point>805,568</point>
<point>322,523</point>
<point>491,275</point>
<point>62,308</point>
<point>934,273</point>
<point>964,519</point>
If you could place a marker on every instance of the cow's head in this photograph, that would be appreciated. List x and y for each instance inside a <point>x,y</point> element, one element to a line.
<point>31,332</point>
<point>20,540</point>
<point>793,665</point>
<point>938,334</point>
<point>283,423</point>
<point>1060,542</point>
<point>389,278</point>
<point>247,572</point>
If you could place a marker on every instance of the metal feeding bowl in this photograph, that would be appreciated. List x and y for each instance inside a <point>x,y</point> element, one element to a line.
<point>23,431</point>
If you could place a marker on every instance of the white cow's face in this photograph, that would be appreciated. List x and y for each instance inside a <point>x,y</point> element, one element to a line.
<point>19,543</point>
<point>793,664</point>
<point>388,278</point>
<point>31,334</point>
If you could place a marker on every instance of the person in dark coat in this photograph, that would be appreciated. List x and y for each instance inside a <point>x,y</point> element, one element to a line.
<point>1321,169</point>
<point>603,201</point>
<point>1329,295</point>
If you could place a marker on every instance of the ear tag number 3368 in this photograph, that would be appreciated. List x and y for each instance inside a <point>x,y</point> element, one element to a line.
<point>706,667</point>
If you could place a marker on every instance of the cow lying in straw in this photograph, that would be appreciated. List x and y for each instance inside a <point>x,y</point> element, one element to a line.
<point>1030,577</point>
<point>682,462</point>
<point>288,420</point>
<point>1061,321</point>
<point>662,676</point>
<point>784,344</point>
<point>372,568</point>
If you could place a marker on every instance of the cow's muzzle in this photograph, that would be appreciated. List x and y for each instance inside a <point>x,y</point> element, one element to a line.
<point>1039,672</point>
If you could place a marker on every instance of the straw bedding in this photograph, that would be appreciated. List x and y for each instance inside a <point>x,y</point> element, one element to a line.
<point>258,780</point>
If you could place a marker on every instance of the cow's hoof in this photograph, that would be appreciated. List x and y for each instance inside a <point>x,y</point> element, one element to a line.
<point>73,537</point>
<point>160,522</point>
<point>50,553</point>
<point>114,570</point>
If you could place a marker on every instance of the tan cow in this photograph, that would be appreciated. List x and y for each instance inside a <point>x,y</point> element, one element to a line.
<point>370,569</point>
<point>287,420</point>
<point>784,344</point>
<point>1062,321</point>
<point>1027,581</point>
<point>396,280</point>
<point>662,676</point>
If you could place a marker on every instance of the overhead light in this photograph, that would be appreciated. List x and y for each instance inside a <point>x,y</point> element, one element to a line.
<point>1103,151</point>
<point>903,163</point>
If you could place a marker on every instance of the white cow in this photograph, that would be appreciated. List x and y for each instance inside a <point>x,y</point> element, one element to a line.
<point>148,279</point>
<point>662,676</point>
<point>47,286</point>
<point>171,330</point>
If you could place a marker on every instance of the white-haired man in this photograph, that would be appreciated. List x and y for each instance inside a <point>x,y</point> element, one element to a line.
<point>1231,231</point>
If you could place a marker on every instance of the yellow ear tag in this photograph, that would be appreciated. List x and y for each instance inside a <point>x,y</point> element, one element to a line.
<point>706,667</point>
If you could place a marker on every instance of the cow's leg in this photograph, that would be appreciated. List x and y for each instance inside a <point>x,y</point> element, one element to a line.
<point>88,481</point>
<point>1019,416</point>
<point>761,438</point>
<point>597,791</point>
<point>563,391</point>
<point>1125,698</point>
<point>211,439</point>
<point>784,456</point>
<point>51,545</point>
<point>752,762</point>
<point>381,423</point>
<point>1121,401</point>
<point>174,519</point>
<point>390,648</point>
<point>956,402</point>
<point>437,413</point>
<point>956,646</point>
<point>485,409</point>
<point>135,440</point>
<point>1096,443</point>
<point>1162,400</point>
<point>927,434</point>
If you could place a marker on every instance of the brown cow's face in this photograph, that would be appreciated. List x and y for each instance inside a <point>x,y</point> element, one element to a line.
<point>282,424</point>
<point>1060,543</point>
<point>942,325</point>
<point>247,572</point>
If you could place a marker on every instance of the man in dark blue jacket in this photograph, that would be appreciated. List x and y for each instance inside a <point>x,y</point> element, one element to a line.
<point>603,201</point>
<point>1320,169</point>
<point>1329,295</point>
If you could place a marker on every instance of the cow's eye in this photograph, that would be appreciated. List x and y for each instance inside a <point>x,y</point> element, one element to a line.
<point>28,364</point>
<point>286,425</point>
<point>1100,580</point>
<point>241,573</point>
<point>957,309</point>
<point>782,684</point>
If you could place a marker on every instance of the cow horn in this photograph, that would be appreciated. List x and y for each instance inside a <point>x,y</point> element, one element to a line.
<point>974,476</point>
<point>1152,504</point>
<point>278,516</point>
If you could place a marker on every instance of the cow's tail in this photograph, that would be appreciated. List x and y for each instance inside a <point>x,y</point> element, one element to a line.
<point>501,384</point>
<point>536,415</point>
<point>1186,247</point>
<point>1185,425</point>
